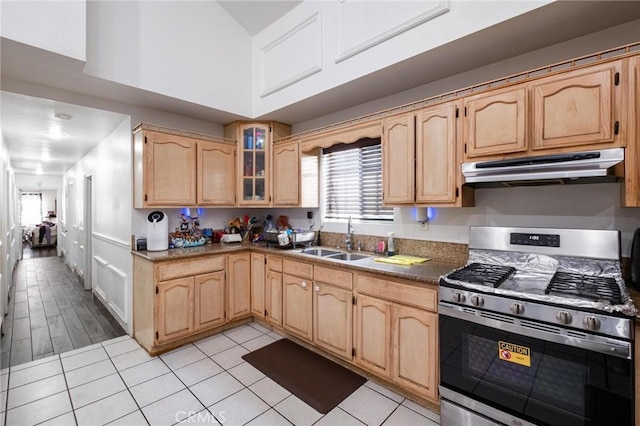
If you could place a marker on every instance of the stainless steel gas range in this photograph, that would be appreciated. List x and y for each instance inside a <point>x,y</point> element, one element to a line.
<point>537,329</point>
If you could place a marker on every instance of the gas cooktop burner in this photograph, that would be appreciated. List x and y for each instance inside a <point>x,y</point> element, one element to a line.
<point>483,273</point>
<point>585,287</point>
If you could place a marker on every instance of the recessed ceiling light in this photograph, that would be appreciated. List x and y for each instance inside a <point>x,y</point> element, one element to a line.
<point>62,116</point>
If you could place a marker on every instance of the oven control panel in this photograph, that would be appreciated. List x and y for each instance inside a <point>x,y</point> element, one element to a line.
<point>545,240</point>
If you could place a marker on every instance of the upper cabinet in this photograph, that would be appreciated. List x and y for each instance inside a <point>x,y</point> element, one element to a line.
<point>421,155</point>
<point>165,168</point>
<point>286,174</point>
<point>495,122</point>
<point>578,108</point>
<point>574,110</point>
<point>631,189</point>
<point>398,159</point>
<point>174,169</point>
<point>437,155</point>
<point>254,144</point>
<point>216,174</point>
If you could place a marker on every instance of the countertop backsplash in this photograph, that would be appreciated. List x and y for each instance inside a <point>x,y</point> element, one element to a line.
<point>434,250</point>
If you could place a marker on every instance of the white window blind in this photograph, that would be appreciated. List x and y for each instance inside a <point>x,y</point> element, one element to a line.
<point>353,181</point>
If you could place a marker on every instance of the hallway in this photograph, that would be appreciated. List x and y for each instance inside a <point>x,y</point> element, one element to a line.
<point>49,313</point>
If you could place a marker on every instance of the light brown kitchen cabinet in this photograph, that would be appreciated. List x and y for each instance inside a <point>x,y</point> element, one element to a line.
<point>397,332</point>
<point>274,290</point>
<point>438,175</point>
<point>297,306</point>
<point>174,299</point>
<point>209,300</point>
<point>496,122</point>
<point>286,174</point>
<point>373,335</point>
<point>165,169</point>
<point>630,196</point>
<point>258,270</point>
<point>433,177</point>
<point>254,147</point>
<point>178,169</point>
<point>415,350</point>
<point>216,184</point>
<point>398,159</point>
<point>333,311</point>
<point>578,108</point>
<point>238,285</point>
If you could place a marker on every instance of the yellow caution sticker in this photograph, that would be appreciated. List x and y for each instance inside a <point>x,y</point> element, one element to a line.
<point>514,353</point>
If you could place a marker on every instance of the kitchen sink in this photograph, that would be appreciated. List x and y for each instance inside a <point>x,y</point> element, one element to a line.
<point>347,256</point>
<point>332,254</point>
<point>319,252</point>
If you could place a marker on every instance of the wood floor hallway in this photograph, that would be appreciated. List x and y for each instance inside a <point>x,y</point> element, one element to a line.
<point>50,312</point>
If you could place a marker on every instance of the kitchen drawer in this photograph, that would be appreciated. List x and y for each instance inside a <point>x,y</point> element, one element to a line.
<point>185,268</point>
<point>418,296</point>
<point>334,277</point>
<point>274,264</point>
<point>298,269</point>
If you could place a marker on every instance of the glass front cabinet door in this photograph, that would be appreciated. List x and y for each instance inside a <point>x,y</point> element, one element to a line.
<point>254,148</point>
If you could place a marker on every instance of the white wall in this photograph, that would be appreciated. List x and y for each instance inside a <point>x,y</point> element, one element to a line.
<point>109,165</point>
<point>320,45</point>
<point>58,26</point>
<point>190,50</point>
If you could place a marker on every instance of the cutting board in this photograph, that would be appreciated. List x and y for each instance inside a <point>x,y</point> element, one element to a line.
<point>401,259</point>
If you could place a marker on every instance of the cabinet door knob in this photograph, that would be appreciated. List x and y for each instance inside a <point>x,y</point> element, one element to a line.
<point>316,288</point>
<point>303,284</point>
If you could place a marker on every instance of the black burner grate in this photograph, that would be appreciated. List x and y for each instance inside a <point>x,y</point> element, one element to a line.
<point>585,287</point>
<point>482,273</point>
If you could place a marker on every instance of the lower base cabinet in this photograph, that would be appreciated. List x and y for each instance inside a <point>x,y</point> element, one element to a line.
<point>274,298</point>
<point>297,306</point>
<point>239,287</point>
<point>373,335</point>
<point>394,340</point>
<point>209,300</point>
<point>332,319</point>
<point>388,328</point>
<point>178,300</point>
<point>174,300</point>
<point>415,350</point>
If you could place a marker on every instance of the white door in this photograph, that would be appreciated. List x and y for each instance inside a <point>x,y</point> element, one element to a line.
<point>88,222</point>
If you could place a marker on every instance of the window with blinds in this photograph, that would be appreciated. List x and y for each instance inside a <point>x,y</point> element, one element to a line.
<point>353,181</point>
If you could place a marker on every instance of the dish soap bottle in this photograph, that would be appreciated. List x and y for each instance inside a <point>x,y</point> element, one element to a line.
<point>390,247</point>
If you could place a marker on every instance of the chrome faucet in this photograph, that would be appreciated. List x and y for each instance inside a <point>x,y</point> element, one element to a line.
<point>348,242</point>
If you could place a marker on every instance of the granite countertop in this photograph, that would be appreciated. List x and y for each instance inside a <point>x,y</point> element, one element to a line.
<point>427,273</point>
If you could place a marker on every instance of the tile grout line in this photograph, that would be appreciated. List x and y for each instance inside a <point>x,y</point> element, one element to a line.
<point>127,389</point>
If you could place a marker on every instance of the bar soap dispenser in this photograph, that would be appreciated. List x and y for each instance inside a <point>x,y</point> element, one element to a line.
<point>390,247</point>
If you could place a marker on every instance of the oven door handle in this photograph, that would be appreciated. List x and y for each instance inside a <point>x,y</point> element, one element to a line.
<point>603,345</point>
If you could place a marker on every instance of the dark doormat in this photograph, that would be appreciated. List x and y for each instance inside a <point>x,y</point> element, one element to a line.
<point>319,382</point>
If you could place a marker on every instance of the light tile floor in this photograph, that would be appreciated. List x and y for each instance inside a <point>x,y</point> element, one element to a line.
<point>116,382</point>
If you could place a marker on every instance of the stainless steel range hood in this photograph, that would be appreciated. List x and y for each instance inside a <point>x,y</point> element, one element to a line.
<point>578,167</point>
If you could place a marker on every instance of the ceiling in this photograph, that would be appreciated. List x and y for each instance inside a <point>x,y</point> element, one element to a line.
<point>255,16</point>
<point>31,71</point>
<point>47,137</point>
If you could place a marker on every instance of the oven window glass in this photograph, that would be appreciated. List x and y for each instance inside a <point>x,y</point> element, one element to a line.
<point>551,384</point>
